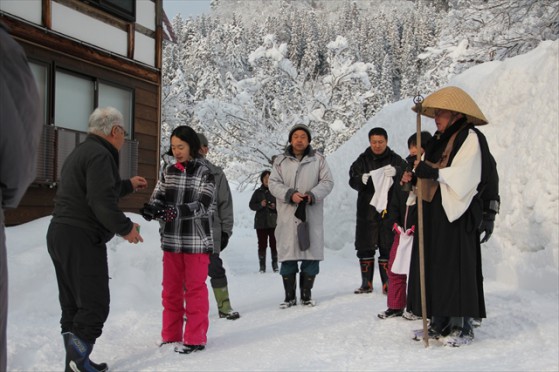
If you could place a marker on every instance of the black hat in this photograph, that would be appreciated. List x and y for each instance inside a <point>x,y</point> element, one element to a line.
<point>300,127</point>
<point>188,135</point>
<point>263,174</point>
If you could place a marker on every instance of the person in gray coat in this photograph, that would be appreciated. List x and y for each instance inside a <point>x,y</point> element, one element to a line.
<point>20,132</point>
<point>300,181</point>
<point>222,227</point>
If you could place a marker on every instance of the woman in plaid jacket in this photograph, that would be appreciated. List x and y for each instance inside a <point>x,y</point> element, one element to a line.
<point>183,199</point>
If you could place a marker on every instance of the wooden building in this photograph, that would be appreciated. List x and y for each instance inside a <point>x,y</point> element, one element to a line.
<point>86,54</point>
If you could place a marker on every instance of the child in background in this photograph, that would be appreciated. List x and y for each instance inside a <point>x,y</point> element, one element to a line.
<point>402,215</point>
<point>265,219</point>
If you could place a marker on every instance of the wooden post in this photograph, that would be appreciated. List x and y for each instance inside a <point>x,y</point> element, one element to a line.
<point>418,101</point>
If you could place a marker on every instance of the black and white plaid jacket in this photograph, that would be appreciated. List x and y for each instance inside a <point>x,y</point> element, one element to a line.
<point>190,190</point>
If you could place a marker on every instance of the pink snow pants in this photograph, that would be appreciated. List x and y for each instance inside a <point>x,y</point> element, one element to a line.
<point>396,296</point>
<point>185,294</point>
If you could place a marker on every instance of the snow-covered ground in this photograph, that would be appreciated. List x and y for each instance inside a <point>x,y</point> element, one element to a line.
<point>520,97</point>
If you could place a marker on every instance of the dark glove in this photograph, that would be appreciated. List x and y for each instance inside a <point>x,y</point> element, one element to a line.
<point>425,171</point>
<point>301,212</point>
<point>149,212</point>
<point>486,226</point>
<point>224,241</point>
<point>167,214</point>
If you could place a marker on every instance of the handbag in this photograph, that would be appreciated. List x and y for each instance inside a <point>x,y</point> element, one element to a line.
<point>303,235</point>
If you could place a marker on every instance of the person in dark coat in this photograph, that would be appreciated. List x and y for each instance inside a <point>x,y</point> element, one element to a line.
<point>370,231</point>
<point>265,220</point>
<point>452,170</point>
<point>20,133</point>
<point>85,217</point>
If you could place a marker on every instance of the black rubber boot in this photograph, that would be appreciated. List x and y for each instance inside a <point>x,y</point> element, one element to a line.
<point>383,270</point>
<point>306,284</point>
<point>262,260</point>
<point>290,285</point>
<point>77,355</point>
<point>275,264</point>
<point>367,271</point>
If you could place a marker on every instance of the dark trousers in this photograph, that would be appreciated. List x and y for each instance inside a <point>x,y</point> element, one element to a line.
<point>265,235</point>
<point>80,262</point>
<point>373,235</point>
<point>309,267</point>
<point>216,272</point>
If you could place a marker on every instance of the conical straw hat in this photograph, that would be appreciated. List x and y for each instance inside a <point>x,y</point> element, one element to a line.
<point>453,99</point>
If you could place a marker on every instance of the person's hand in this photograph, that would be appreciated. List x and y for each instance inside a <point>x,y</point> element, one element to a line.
<point>263,202</point>
<point>297,197</point>
<point>406,177</point>
<point>422,170</point>
<point>272,205</point>
<point>389,171</point>
<point>486,226</point>
<point>138,183</point>
<point>224,240</point>
<point>167,214</point>
<point>365,178</point>
<point>134,236</point>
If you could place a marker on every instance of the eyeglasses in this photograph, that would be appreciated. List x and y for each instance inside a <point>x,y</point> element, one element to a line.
<point>124,132</point>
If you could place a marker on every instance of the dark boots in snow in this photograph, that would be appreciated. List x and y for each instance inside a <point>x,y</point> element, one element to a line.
<point>367,271</point>
<point>275,264</point>
<point>306,283</point>
<point>262,260</point>
<point>77,355</point>
<point>383,270</point>
<point>289,284</point>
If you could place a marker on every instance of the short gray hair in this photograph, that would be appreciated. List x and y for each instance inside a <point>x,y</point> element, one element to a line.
<point>103,119</point>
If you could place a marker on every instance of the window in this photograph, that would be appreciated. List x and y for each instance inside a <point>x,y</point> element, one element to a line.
<point>125,9</point>
<point>120,99</point>
<point>74,99</point>
<point>75,96</point>
<point>40,72</point>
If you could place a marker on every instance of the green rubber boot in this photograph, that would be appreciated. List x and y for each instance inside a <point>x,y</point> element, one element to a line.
<point>224,305</point>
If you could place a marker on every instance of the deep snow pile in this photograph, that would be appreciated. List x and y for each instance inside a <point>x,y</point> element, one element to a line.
<point>520,97</point>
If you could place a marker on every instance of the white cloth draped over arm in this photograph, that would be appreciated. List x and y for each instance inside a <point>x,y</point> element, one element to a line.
<point>459,182</point>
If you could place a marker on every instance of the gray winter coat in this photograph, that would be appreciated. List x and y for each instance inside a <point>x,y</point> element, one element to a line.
<point>223,209</point>
<point>309,175</point>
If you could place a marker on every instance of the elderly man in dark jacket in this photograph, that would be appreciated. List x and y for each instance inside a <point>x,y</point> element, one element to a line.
<point>86,216</point>
<point>370,230</point>
<point>20,132</point>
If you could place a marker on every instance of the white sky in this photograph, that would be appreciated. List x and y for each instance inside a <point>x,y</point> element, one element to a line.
<point>520,98</point>
<point>187,8</point>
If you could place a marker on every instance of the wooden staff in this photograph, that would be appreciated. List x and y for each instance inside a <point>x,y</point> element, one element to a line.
<point>418,100</point>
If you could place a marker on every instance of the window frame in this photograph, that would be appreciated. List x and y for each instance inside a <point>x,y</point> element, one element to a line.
<point>111,7</point>
<point>58,141</point>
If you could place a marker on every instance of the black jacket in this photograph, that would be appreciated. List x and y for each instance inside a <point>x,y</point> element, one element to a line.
<point>365,163</point>
<point>265,217</point>
<point>89,190</point>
